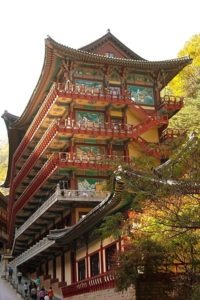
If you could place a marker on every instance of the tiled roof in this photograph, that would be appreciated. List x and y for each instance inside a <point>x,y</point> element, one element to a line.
<point>110,37</point>
<point>91,219</point>
<point>97,58</point>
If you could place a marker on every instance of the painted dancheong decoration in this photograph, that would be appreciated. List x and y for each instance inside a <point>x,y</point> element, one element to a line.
<point>92,109</point>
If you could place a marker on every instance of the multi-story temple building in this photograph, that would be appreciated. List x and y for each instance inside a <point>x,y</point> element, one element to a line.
<point>92,109</point>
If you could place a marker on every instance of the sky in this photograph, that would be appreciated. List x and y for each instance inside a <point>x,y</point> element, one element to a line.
<point>154,29</point>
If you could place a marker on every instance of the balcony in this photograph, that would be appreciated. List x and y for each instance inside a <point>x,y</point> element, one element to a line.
<point>171,103</point>
<point>109,130</point>
<point>61,197</point>
<point>105,96</point>
<point>96,283</point>
<point>74,92</point>
<point>43,111</point>
<point>171,133</point>
<point>70,128</point>
<point>39,247</point>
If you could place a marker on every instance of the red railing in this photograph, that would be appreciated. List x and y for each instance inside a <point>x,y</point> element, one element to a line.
<point>100,282</point>
<point>152,149</point>
<point>112,130</point>
<point>103,95</point>
<point>36,122</point>
<point>61,160</point>
<point>92,94</point>
<point>39,149</point>
<point>171,103</point>
<point>43,111</point>
<point>171,133</point>
<point>98,162</point>
<point>69,126</point>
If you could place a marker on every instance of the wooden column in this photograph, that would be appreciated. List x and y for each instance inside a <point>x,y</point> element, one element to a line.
<point>73,216</point>
<point>87,257</point>
<point>72,148</point>
<point>71,112</point>
<point>110,144</point>
<point>101,257</point>
<point>73,181</point>
<point>126,152</point>
<point>63,267</point>
<point>73,263</point>
<point>47,268</point>
<point>54,268</point>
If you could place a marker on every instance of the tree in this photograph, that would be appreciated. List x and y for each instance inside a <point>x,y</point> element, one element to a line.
<point>162,225</point>
<point>3,163</point>
<point>188,118</point>
<point>187,82</point>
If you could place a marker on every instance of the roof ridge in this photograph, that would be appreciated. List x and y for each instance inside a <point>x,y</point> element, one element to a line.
<point>110,36</point>
<point>113,59</point>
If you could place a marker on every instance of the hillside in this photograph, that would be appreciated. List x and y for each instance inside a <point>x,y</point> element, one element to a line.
<point>188,117</point>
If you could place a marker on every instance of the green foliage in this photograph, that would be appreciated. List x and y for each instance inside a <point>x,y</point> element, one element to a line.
<point>187,82</point>
<point>196,292</point>
<point>166,227</point>
<point>188,117</point>
<point>111,225</point>
<point>142,256</point>
<point>3,162</point>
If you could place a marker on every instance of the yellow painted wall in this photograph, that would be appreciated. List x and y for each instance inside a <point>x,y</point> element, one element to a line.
<point>58,268</point>
<point>81,209</point>
<point>107,241</point>
<point>115,113</point>
<point>94,246</point>
<point>131,118</point>
<point>80,253</point>
<point>151,135</point>
<point>133,151</point>
<point>67,268</point>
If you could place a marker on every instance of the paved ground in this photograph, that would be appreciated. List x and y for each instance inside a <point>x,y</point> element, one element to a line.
<point>7,292</point>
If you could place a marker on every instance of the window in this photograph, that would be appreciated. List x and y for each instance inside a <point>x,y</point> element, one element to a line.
<point>114,90</point>
<point>94,264</point>
<point>117,122</point>
<point>110,254</point>
<point>109,54</point>
<point>81,270</point>
<point>82,214</point>
<point>118,151</point>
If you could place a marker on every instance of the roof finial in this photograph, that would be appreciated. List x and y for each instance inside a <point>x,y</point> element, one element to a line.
<point>108,30</point>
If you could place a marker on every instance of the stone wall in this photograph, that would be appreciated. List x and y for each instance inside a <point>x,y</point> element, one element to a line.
<point>108,294</point>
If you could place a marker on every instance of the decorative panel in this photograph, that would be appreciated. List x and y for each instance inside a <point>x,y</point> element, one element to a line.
<point>89,72</point>
<point>141,94</point>
<point>89,117</point>
<point>115,77</point>
<point>115,90</point>
<point>140,79</point>
<point>90,151</point>
<point>85,183</point>
<point>89,83</point>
